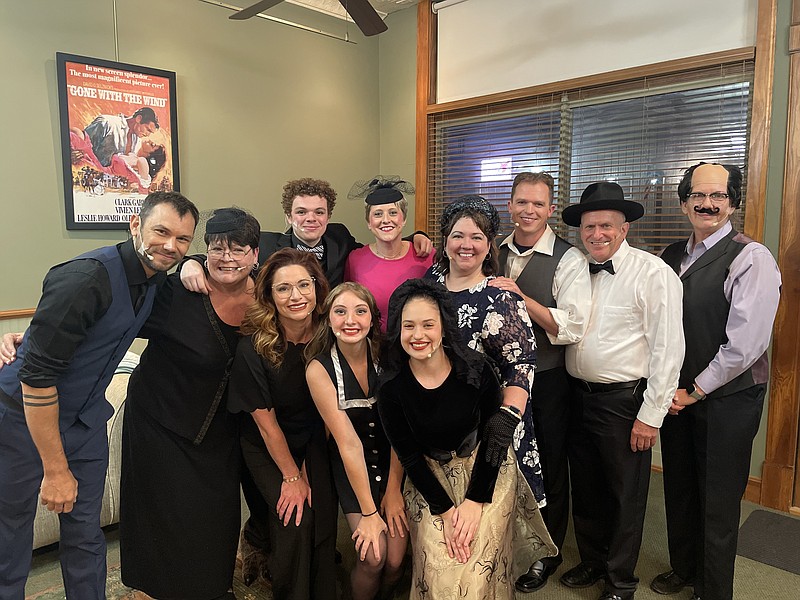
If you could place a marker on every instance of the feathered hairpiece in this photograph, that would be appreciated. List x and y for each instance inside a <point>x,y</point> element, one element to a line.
<point>380,190</point>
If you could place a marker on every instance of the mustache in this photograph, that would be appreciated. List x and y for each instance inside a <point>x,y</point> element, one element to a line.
<point>707,211</point>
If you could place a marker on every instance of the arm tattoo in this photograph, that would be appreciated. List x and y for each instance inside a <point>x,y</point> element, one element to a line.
<point>38,397</point>
<point>40,403</point>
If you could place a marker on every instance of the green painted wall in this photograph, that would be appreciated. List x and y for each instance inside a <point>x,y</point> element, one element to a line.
<point>258,103</point>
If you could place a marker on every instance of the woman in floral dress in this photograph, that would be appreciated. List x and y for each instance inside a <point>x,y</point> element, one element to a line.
<point>492,321</point>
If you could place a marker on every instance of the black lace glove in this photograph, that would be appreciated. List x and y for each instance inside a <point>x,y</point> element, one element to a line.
<point>497,435</point>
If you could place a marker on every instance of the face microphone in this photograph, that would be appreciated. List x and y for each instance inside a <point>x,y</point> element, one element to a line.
<point>338,333</point>
<point>432,352</point>
<point>516,224</point>
<point>143,251</point>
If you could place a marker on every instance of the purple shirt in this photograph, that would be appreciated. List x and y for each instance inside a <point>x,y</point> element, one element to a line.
<point>752,288</point>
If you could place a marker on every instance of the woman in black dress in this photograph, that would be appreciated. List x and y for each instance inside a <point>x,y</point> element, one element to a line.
<point>284,444</point>
<point>342,377</point>
<point>180,445</point>
<point>474,522</point>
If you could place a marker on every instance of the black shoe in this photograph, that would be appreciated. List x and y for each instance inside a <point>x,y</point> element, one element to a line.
<point>613,596</point>
<point>695,597</point>
<point>535,578</point>
<point>582,576</point>
<point>669,583</point>
<point>254,561</point>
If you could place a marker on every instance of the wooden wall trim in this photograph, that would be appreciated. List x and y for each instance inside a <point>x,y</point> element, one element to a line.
<point>761,120</point>
<point>426,94</point>
<point>780,485</point>
<point>618,76</point>
<point>21,313</point>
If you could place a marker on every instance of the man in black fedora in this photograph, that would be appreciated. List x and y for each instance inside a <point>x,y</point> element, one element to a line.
<point>624,373</point>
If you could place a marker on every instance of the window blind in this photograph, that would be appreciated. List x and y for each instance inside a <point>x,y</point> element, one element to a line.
<point>642,134</point>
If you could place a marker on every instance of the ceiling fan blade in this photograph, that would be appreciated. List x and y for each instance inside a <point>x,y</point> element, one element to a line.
<point>252,11</point>
<point>368,21</point>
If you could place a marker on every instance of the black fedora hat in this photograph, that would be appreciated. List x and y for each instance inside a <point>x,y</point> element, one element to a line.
<point>603,195</point>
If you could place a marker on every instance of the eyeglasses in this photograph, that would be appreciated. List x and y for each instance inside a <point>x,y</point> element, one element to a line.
<point>284,290</point>
<point>700,197</point>
<point>234,253</point>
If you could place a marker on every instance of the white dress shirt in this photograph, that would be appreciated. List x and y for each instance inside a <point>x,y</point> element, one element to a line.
<point>571,285</point>
<point>635,330</point>
<point>753,289</point>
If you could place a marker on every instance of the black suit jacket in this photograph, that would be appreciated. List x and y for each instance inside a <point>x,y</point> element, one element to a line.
<point>339,242</point>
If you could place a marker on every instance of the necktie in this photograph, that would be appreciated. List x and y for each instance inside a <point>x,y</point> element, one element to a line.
<point>597,267</point>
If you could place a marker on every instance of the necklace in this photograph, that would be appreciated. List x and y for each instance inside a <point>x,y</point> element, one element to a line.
<point>385,257</point>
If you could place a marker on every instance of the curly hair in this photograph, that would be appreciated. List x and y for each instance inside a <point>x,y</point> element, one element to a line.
<point>324,339</point>
<point>468,363</point>
<point>261,319</point>
<point>307,187</point>
<point>734,183</point>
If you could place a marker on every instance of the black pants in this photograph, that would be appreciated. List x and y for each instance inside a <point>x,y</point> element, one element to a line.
<point>550,409</point>
<point>706,457</point>
<point>609,483</point>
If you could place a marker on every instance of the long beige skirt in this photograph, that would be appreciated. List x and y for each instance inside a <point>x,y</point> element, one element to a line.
<point>510,537</point>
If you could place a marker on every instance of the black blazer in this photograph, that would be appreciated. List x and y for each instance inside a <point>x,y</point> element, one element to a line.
<point>339,242</point>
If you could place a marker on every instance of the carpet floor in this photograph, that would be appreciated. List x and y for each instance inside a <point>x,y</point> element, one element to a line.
<point>754,580</point>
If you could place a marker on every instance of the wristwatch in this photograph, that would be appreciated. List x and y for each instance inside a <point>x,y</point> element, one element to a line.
<point>692,391</point>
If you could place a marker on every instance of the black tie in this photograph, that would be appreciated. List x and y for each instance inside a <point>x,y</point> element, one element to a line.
<point>597,267</point>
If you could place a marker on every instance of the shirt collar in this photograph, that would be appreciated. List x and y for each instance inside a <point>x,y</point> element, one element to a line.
<point>134,271</point>
<point>709,242</point>
<point>618,257</point>
<point>544,245</point>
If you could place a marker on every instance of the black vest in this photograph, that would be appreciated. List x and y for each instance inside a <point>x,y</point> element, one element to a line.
<point>705,310</point>
<point>536,281</point>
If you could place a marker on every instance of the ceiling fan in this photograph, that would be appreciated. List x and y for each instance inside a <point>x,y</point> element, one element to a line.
<point>367,19</point>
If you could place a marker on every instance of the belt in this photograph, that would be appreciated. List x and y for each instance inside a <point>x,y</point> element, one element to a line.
<point>464,450</point>
<point>593,388</point>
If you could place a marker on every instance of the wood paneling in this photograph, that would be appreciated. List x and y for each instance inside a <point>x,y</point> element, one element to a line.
<point>426,94</point>
<point>780,487</point>
<point>761,120</point>
<point>16,314</point>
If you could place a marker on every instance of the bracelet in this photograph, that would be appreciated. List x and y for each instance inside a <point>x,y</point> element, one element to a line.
<point>512,410</point>
<point>374,512</point>
<point>292,479</point>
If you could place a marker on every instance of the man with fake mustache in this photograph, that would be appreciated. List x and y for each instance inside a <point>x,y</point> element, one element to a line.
<point>731,287</point>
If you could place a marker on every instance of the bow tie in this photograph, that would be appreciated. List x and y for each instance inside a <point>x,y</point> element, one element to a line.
<point>597,267</point>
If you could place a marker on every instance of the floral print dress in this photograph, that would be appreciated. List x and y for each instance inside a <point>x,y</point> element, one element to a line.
<point>496,323</point>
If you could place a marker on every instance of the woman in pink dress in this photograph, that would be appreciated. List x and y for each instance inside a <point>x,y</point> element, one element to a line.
<point>389,261</point>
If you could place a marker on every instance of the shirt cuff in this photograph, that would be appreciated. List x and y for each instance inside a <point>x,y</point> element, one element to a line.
<point>651,416</point>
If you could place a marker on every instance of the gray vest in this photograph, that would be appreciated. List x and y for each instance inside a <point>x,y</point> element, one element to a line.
<point>705,311</point>
<point>536,281</point>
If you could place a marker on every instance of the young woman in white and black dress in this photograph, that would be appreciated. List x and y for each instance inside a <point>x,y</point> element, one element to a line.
<point>342,376</point>
<point>284,444</point>
<point>474,521</point>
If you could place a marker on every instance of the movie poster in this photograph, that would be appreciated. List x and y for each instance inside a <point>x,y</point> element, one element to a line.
<point>119,138</point>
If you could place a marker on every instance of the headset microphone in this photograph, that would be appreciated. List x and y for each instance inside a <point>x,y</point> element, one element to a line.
<point>338,334</point>
<point>144,250</point>
<point>432,352</point>
<point>516,224</point>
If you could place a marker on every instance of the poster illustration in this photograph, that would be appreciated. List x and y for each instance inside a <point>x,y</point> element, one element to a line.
<point>119,138</point>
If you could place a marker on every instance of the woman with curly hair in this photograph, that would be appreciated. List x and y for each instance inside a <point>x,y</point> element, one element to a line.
<point>492,321</point>
<point>474,523</point>
<point>284,445</point>
<point>342,376</point>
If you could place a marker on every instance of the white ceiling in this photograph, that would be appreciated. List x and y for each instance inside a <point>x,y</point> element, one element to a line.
<point>335,9</point>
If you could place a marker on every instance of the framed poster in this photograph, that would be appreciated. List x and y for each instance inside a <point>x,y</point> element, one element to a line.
<point>119,138</point>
